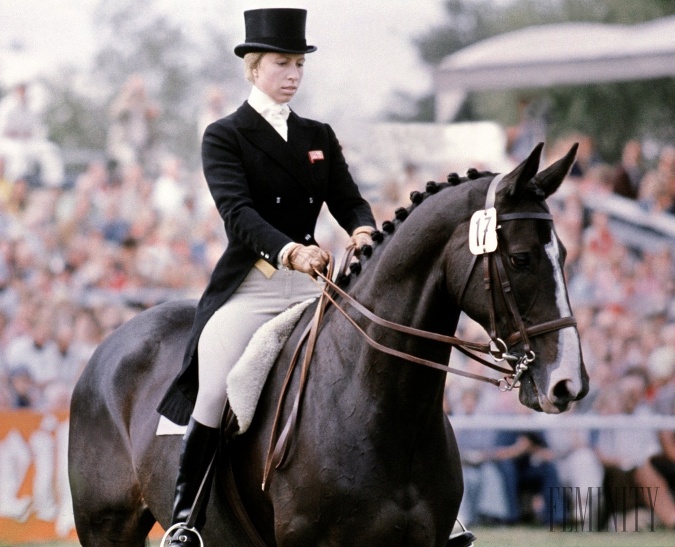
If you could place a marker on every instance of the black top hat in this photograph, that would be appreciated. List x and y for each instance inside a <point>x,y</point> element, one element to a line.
<point>275,29</point>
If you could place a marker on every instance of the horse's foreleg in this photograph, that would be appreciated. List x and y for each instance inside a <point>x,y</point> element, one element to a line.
<point>107,502</point>
<point>457,485</point>
<point>115,527</point>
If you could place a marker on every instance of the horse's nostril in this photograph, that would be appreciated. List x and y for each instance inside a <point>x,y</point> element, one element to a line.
<point>561,391</point>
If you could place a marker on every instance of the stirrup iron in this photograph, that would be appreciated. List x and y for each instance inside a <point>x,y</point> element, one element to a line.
<point>465,538</point>
<point>167,535</point>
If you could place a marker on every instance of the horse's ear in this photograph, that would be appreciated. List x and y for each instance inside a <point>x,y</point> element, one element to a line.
<point>517,179</point>
<point>550,179</point>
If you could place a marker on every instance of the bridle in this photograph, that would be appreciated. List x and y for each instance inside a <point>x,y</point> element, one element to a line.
<point>494,275</point>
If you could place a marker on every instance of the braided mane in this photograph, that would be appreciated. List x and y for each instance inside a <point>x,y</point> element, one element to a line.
<point>380,237</point>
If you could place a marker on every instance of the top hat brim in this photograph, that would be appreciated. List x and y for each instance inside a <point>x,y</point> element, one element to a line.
<point>252,47</point>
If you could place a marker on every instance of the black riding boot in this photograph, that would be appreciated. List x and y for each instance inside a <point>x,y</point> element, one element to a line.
<point>199,446</point>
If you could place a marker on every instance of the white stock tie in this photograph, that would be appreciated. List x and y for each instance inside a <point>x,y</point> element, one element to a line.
<point>277,117</point>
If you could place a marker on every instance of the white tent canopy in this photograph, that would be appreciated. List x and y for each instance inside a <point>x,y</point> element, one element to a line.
<point>548,55</point>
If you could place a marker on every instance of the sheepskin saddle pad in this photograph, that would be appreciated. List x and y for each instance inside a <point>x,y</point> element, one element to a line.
<point>247,378</point>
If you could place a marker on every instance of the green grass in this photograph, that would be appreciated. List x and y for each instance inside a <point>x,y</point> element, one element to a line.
<point>154,543</point>
<point>520,536</point>
<point>57,544</point>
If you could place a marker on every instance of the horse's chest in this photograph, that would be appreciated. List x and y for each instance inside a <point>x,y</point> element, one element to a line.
<point>375,522</point>
<point>352,507</point>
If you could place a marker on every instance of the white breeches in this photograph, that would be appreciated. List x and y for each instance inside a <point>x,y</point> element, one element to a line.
<point>225,336</point>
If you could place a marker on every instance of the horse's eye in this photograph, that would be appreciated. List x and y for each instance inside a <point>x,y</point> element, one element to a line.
<point>520,260</point>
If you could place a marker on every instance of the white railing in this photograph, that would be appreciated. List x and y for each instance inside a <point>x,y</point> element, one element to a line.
<point>562,421</point>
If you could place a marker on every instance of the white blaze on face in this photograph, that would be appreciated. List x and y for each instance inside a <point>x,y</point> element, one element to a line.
<point>553,253</point>
<point>567,367</point>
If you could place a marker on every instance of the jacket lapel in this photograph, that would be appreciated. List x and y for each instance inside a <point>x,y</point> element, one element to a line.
<point>291,155</point>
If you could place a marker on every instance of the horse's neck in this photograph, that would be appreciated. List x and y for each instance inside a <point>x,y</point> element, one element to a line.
<point>403,285</point>
<point>404,281</point>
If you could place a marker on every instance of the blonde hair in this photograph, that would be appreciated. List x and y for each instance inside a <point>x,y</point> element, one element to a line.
<point>251,62</point>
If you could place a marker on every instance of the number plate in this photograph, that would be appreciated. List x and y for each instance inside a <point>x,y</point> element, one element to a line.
<point>483,231</point>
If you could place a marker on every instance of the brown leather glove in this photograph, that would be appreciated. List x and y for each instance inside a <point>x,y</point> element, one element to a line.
<point>361,237</point>
<point>307,259</point>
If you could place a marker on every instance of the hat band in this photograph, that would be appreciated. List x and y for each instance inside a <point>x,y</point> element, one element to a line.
<point>275,41</point>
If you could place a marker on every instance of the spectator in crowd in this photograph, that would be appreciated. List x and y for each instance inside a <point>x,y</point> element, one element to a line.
<point>587,155</point>
<point>34,354</point>
<point>216,106</point>
<point>18,119</point>
<point>23,141</point>
<point>18,198</point>
<point>5,182</point>
<point>626,176</point>
<point>575,461</point>
<point>114,227</point>
<point>657,187</point>
<point>584,287</point>
<point>69,363</point>
<point>661,373</point>
<point>623,451</point>
<point>131,135</point>
<point>568,213</point>
<point>529,131</point>
<point>6,395</point>
<point>659,470</point>
<point>170,192</point>
<point>596,182</point>
<point>24,393</point>
<point>598,239</point>
<point>525,466</point>
<point>525,463</point>
<point>484,498</point>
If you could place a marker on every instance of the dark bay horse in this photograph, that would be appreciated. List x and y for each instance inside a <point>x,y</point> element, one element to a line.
<point>373,460</point>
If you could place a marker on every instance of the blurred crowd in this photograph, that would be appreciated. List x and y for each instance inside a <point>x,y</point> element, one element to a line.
<point>136,228</point>
<point>623,300</point>
<point>132,229</point>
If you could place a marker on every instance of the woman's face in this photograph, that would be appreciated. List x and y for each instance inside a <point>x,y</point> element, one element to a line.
<point>278,75</point>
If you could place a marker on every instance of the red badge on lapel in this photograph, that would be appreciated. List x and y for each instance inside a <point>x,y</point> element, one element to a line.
<point>315,155</point>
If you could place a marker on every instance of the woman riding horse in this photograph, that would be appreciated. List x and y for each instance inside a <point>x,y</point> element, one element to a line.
<point>269,172</point>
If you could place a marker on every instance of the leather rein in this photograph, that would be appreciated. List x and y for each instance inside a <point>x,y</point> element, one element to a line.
<point>497,348</point>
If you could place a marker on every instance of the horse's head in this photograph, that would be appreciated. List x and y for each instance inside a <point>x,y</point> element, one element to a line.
<point>516,288</point>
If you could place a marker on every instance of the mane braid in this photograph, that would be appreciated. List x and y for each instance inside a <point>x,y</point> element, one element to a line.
<point>401,214</point>
<point>473,173</point>
<point>453,179</point>
<point>388,227</point>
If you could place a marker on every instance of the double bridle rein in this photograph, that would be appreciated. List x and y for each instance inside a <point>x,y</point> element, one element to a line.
<point>497,348</point>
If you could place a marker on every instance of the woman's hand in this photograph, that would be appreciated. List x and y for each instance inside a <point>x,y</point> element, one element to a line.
<point>308,259</point>
<point>361,237</point>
